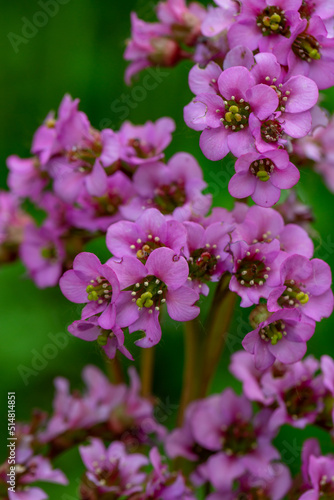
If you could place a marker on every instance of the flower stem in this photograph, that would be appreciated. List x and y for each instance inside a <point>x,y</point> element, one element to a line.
<point>219,319</point>
<point>115,371</point>
<point>190,371</point>
<point>146,371</point>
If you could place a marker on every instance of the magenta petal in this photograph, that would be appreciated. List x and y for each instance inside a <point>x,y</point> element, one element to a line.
<point>201,79</point>
<point>265,194</point>
<point>126,310</point>
<point>263,100</point>
<point>321,278</point>
<point>239,56</point>
<point>297,125</point>
<point>73,287</point>
<point>149,323</point>
<point>213,143</point>
<point>242,185</point>
<point>263,357</point>
<point>303,94</point>
<point>286,178</point>
<point>96,182</point>
<point>240,142</point>
<point>288,352</point>
<point>180,304</point>
<point>172,269</point>
<point>319,307</point>
<point>129,271</point>
<point>87,263</point>
<point>107,318</point>
<point>84,330</point>
<point>235,82</point>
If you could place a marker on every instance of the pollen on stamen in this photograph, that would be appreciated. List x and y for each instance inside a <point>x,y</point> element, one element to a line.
<point>265,276</point>
<point>132,247</point>
<point>133,294</point>
<point>242,282</point>
<point>157,282</point>
<point>157,238</point>
<point>137,285</point>
<point>207,245</point>
<point>159,292</point>
<point>248,254</point>
<point>268,268</point>
<point>145,283</point>
<point>163,301</point>
<point>150,236</point>
<point>267,78</point>
<point>157,308</point>
<point>100,301</point>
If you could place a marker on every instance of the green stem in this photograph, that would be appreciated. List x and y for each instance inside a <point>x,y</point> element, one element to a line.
<point>115,371</point>
<point>190,371</point>
<point>146,371</point>
<point>219,319</point>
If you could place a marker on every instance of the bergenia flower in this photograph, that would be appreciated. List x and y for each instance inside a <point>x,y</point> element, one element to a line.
<point>263,23</point>
<point>112,469</point>
<point>110,340</point>
<point>262,176</point>
<point>282,336</point>
<point>145,143</point>
<point>225,117</point>
<point>150,231</point>
<point>43,254</point>
<point>304,284</point>
<point>308,51</point>
<point>96,285</point>
<point>146,288</point>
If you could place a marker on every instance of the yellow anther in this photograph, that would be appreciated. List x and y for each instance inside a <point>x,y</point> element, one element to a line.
<point>148,303</point>
<point>228,116</point>
<point>238,117</point>
<point>275,18</point>
<point>140,254</point>
<point>302,297</point>
<point>263,175</point>
<point>314,54</point>
<point>234,109</point>
<point>146,295</point>
<point>266,21</point>
<point>50,123</point>
<point>139,302</point>
<point>274,26</point>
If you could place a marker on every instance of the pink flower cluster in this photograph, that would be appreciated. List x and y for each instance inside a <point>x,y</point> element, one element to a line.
<point>96,179</point>
<point>159,261</point>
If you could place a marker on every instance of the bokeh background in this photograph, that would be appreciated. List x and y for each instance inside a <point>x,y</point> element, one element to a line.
<point>79,51</point>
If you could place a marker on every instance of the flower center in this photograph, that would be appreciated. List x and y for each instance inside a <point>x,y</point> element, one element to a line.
<point>272,20</point>
<point>142,148</point>
<point>252,271</point>
<point>306,47</point>
<point>143,250</point>
<point>273,332</point>
<point>108,476</point>
<point>170,196</point>
<point>239,438</point>
<point>262,169</point>
<point>149,293</point>
<point>49,253</point>
<point>300,401</point>
<point>293,296</point>
<point>236,114</point>
<point>307,9</point>
<point>99,290</point>
<point>107,204</point>
<point>271,131</point>
<point>202,264</point>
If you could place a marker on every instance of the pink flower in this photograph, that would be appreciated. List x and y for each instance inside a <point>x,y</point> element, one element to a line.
<point>26,179</point>
<point>219,19</point>
<point>304,284</point>
<point>95,284</point>
<point>308,51</point>
<point>255,270</point>
<point>150,45</point>
<point>43,253</point>
<point>225,117</point>
<point>145,143</point>
<point>148,287</point>
<point>175,189</point>
<point>112,469</point>
<point>206,251</point>
<point>150,231</point>
<point>262,24</point>
<point>262,176</point>
<point>282,336</point>
<point>110,340</point>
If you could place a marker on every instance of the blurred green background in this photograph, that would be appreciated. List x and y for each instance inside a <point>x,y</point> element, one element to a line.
<point>79,51</point>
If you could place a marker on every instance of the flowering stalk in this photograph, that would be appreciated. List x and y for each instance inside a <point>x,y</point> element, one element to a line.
<point>146,371</point>
<point>192,350</point>
<point>219,319</point>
